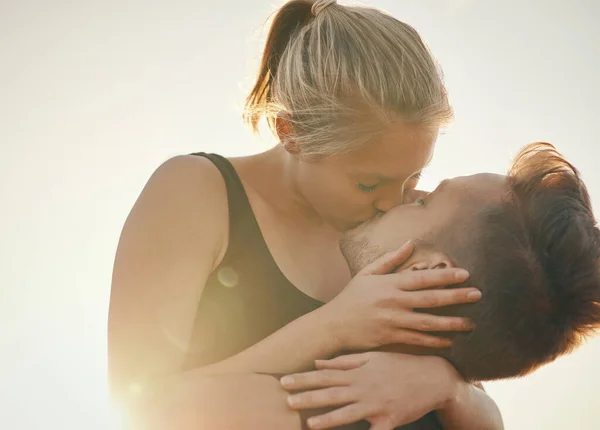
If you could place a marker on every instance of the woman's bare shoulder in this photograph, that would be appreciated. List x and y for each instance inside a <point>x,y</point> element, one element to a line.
<point>170,243</point>
<point>193,187</point>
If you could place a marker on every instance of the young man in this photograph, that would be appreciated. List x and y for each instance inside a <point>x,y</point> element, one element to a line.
<point>530,243</point>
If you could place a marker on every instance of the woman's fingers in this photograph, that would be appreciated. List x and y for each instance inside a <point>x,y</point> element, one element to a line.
<point>343,362</point>
<point>315,379</point>
<point>412,280</point>
<point>346,415</point>
<point>439,298</point>
<point>389,261</point>
<point>326,397</point>
<point>426,322</point>
<point>380,425</point>
<point>410,337</point>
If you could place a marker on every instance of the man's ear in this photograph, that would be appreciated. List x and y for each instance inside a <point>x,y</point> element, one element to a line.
<point>426,259</point>
<point>283,128</point>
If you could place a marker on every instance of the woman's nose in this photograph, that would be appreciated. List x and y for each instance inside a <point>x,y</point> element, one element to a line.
<point>388,202</point>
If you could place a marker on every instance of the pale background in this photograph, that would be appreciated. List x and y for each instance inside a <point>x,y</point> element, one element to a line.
<point>95,94</point>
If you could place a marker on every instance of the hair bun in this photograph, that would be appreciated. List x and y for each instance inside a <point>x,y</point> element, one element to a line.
<point>319,5</point>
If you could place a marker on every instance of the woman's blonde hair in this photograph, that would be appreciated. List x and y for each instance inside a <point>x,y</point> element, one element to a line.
<point>342,75</point>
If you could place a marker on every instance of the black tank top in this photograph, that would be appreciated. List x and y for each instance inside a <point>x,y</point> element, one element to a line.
<point>247,297</point>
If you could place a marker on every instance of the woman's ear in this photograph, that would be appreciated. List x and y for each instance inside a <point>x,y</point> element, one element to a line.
<point>283,127</point>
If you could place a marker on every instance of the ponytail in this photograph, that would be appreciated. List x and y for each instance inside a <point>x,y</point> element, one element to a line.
<point>287,21</point>
<point>342,74</point>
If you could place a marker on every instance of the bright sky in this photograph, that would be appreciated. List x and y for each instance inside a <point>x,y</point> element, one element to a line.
<point>95,94</point>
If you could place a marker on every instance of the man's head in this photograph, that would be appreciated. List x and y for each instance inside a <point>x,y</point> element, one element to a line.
<point>531,245</point>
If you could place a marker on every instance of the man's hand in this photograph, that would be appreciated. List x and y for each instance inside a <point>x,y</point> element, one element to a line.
<point>387,389</point>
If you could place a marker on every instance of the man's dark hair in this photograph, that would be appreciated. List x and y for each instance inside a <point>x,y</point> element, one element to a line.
<point>535,258</point>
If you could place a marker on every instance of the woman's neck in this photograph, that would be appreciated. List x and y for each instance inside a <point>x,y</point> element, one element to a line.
<point>274,174</point>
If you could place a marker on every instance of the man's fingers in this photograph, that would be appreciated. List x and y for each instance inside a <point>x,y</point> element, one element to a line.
<point>315,379</point>
<point>423,279</point>
<point>326,397</point>
<point>347,415</point>
<point>388,262</point>
<point>343,362</point>
<point>439,298</point>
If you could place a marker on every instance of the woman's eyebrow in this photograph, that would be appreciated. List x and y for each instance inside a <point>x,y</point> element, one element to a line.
<point>387,178</point>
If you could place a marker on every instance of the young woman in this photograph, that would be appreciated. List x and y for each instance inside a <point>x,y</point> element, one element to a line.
<point>227,269</point>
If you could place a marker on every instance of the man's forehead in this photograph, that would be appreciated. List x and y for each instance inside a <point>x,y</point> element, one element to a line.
<point>476,187</point>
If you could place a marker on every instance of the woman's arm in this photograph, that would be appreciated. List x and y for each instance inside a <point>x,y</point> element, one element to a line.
<point>389,390</point>
<point>374,309</point>
<point>174,237</point>
<point>470,408</point>
<point>218,402</point>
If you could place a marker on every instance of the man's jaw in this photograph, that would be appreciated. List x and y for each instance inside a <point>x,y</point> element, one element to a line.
<point>358,253</point>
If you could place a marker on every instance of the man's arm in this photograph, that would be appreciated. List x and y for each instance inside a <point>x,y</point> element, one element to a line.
<point>470,408</point>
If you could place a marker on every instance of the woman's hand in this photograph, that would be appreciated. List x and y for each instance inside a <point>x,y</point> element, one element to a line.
<point>387,389</point>
<point>376,307</point>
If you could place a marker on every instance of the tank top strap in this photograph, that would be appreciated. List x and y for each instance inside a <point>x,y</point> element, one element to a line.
<point>243,226</point>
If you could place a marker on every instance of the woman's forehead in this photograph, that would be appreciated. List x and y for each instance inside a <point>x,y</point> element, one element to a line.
<point>391,160</point>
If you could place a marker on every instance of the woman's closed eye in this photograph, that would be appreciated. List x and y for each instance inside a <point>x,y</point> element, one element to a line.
<point>367,188</point>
